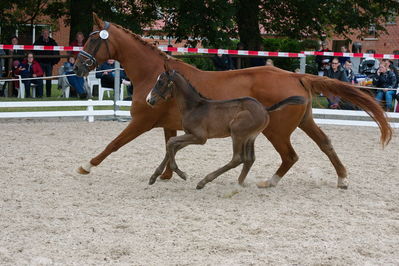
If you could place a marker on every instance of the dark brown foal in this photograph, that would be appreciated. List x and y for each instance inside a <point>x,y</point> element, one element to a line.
<point>242,119</point>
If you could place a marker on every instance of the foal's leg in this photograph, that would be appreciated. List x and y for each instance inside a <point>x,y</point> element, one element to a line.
<point>248,155</point>
<point>167,174</point>
<point>161,167</point>
<point>235,161</point>
<point>321,139</point>
<point>136,127</point>
<point>176,143</point>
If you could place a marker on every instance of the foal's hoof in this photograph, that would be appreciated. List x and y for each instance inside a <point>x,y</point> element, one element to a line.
<point>82,171</point>
<point>264,184</point>
<point>152,180</point>
<point>183,175</point>
<point>200,186</point>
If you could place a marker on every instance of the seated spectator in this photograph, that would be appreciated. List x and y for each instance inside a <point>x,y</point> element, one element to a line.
<point>269,62</point>
<point>386,80</point>
<point>390,66</point>
<point>335,72</point>
<point>79,41</point>
<point>14,85</point>
<point>129,88</point>
<point>223,62</point>
<point>108,77</point>
<point>30,68</point>
<point>17,53</point>
<point>343,59</point>
<point>77,83</point>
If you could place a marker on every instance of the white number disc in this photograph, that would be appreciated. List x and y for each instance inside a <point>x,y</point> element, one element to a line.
<point>104,34</point>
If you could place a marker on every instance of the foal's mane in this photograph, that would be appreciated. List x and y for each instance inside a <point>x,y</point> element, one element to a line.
<point>147,44</point>
<point>192,87</point>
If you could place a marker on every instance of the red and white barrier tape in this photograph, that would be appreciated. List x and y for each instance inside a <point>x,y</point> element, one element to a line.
<point>208,51</point>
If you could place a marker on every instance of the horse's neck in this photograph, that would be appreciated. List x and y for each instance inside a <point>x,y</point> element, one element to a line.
<point>138,60</point>
<point>186,96</point>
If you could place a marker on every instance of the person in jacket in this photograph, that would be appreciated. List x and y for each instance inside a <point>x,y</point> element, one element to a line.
<point>386,80</point>
<point>47,63</point>
<point>30,68</point>
<point>335,72</point>
<point>76,82</point>
<point>79,41</point>
<point>107,75</point>
<point>223,62</point>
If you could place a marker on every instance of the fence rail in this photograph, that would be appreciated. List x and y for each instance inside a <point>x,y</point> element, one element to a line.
<point>330,117</point>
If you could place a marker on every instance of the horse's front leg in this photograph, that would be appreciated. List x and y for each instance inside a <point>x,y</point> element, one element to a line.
<point>167,174</point>
<point>136,127</point>
<point>159,169</point>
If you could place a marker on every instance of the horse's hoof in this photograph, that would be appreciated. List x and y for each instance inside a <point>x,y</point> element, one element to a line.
<point>264,184</point>
<point>200,186</point>
<point>82,171</point>
<point>342,183</point>
<point>152,181</point>
<point>183,175</point>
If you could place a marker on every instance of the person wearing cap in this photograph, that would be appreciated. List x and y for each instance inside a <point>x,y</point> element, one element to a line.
<point>321,59</point>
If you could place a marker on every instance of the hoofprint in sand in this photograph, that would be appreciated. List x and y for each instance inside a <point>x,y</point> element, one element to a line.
<point>51,215</point>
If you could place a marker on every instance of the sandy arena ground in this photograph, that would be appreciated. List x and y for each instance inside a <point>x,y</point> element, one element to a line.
<point>50,215</point>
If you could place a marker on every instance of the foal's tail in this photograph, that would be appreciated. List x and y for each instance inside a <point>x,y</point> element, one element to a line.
<point>288,101</point>
<point>346,91</point>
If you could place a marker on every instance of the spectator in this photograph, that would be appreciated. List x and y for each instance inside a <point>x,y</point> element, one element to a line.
<point>269,62</point>
<point>30,68</point>
<point>343,59</point>
<point>18,53</point>
<point>14,85</point>
<point>386,80</point>
<point>79,41</point>
<point>321,59</point>
<point>76,82</point>
<point>108,76</point>
<point>349,71</point>
<point>47,63</point>
<point>223,62</point>
<point>258,61</point>
<point>238,61</point>
<point>390,66</point>
<point>169,52</point>
<point>335,72</point>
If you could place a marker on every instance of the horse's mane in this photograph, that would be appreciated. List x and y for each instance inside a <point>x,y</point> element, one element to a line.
<point>147,44</point>
<point>192,87</point>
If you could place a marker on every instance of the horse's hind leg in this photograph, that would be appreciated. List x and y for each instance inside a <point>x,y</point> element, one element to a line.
<point>235,161</point>
<point>321,139</point>
<point>135,128</point>
<point>283,146</point>
<point>248,155</point>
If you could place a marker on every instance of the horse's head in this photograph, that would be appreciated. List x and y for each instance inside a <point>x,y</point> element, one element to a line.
<point>99,47</point>
<point>162,88</point>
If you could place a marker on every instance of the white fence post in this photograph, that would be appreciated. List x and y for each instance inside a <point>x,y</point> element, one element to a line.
<point>90,109</point>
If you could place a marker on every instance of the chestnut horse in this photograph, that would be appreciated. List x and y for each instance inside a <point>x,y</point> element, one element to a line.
<point>143,63</point>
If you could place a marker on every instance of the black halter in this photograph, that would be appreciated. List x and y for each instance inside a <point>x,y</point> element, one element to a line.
<point>170,84</point>
<point>88,59</point>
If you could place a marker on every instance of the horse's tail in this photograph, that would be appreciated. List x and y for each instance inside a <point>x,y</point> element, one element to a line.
<point>288,101</point>
<point>352,94</point>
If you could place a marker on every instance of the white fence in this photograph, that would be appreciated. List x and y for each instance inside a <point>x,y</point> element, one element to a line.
<point>330,117</point>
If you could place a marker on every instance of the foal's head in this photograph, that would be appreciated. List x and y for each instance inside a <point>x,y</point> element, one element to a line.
<point>162,88</point>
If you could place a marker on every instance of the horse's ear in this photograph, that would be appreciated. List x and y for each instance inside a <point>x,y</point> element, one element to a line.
<point>97,21</point>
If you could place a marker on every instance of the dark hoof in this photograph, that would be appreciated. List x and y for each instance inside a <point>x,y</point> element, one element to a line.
<point>82,171</point>
<point>200,186</point>
<point>152,181</point>
<point>183,175</point>
<point>343,186</point>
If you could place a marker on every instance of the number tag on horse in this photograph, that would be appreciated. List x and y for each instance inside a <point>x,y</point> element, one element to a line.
<point>104,34</point>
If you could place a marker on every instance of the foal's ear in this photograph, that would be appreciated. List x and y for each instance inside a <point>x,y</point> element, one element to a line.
<point>97,21</point>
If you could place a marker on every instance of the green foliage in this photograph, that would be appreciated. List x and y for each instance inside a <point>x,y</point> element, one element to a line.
<point>203,63</point>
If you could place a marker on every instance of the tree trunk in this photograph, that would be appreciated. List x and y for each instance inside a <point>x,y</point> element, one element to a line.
<point>248,25</point>
<point>81,18</point>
